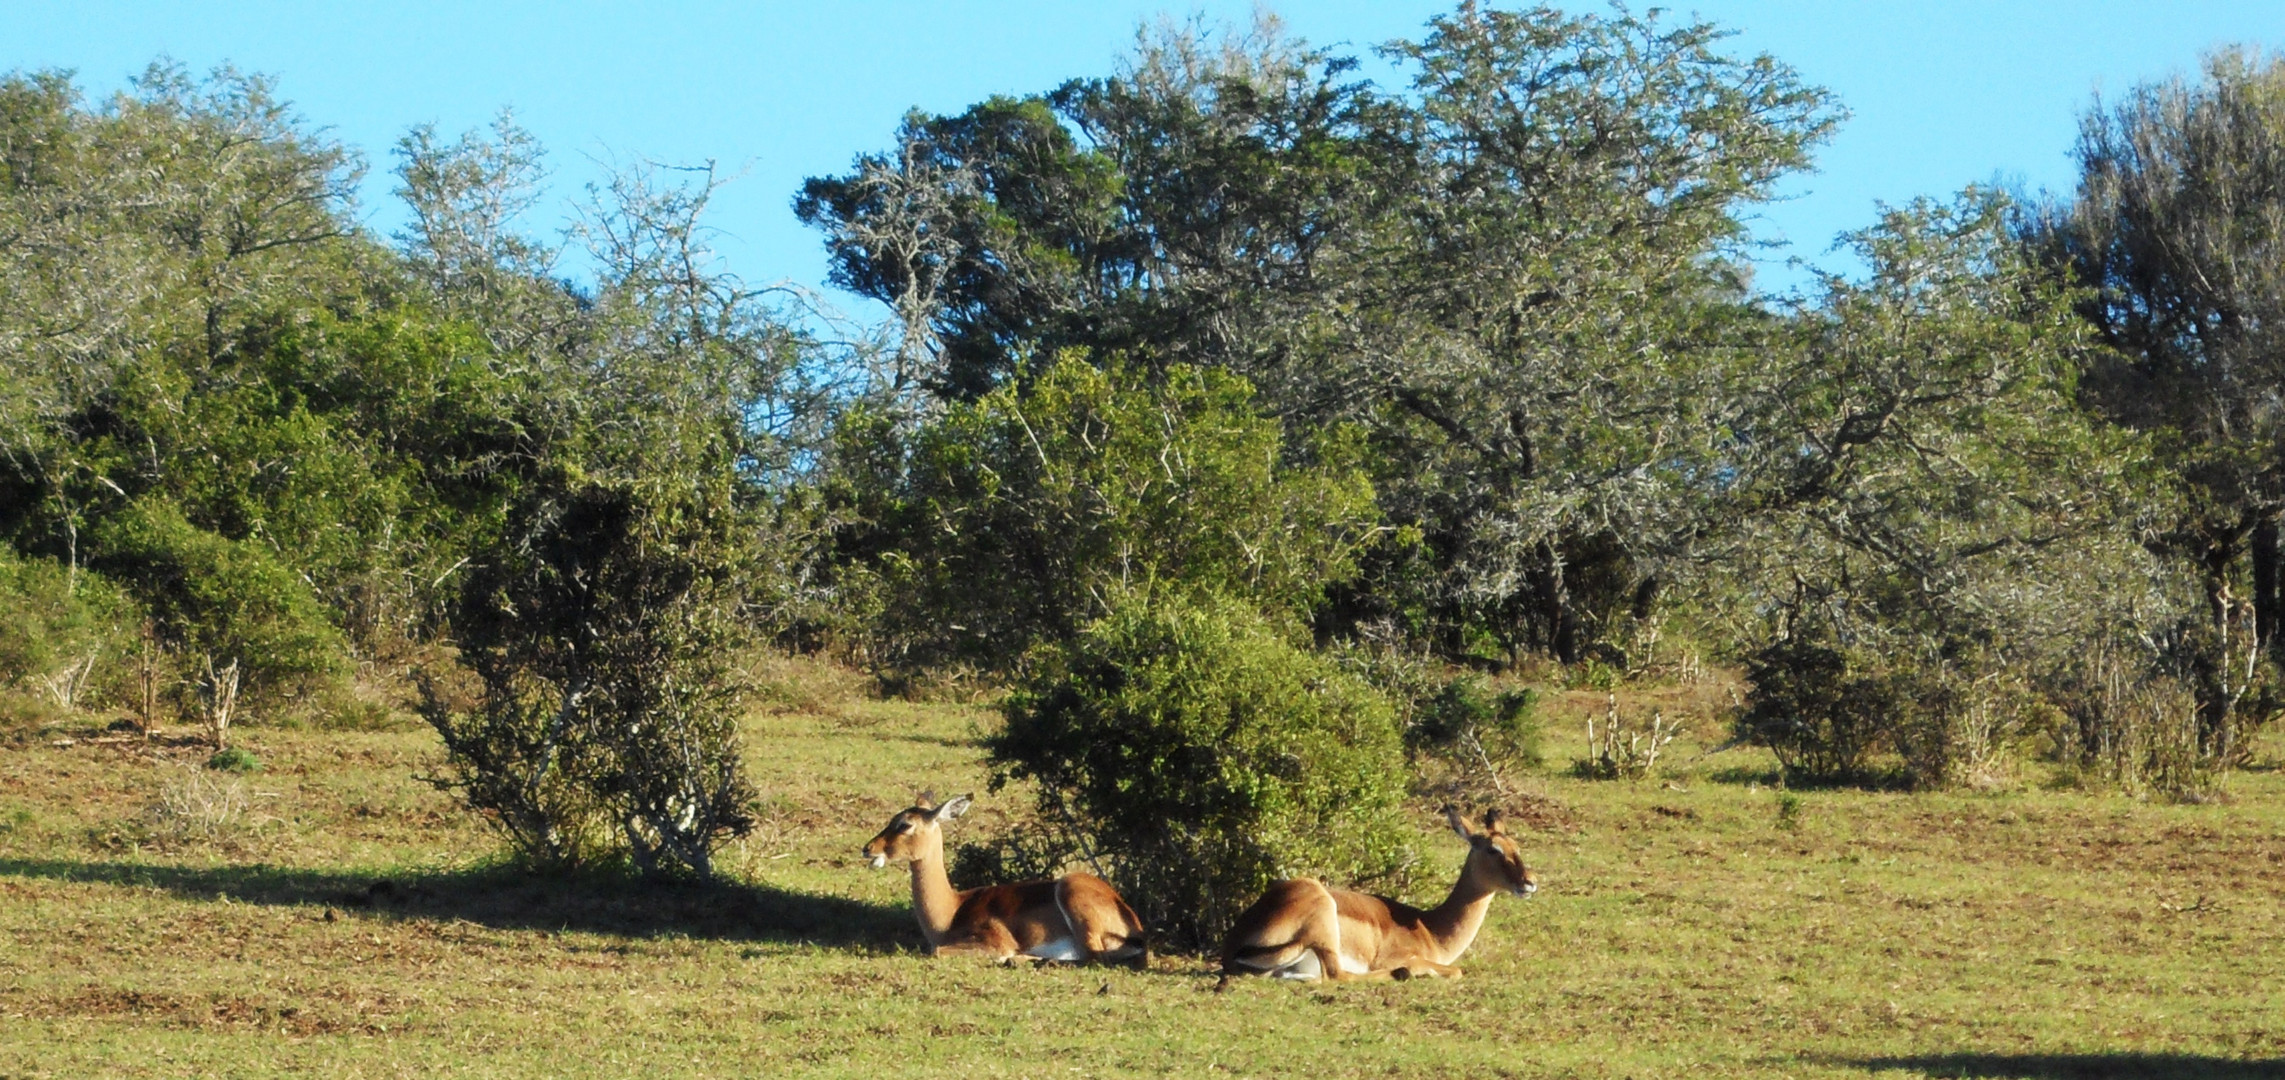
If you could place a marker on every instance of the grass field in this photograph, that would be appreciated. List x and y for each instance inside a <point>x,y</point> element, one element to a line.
<point>349,922</point>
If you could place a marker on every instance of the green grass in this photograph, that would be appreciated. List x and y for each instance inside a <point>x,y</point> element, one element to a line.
<point>351,922</point>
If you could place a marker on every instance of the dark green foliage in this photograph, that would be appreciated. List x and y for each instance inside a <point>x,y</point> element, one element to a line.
<point>602,634</point>
<point>1014,519</point>
<point>228,600</point>
<point>234,759</point>
<point>1475,727</point>
<point>1824,718</point>
<point>1194,754</point>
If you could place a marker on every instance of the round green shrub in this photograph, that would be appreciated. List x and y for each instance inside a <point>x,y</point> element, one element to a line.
<point>1198,755</point>
<point>232,600</point>
<point>234,759</point>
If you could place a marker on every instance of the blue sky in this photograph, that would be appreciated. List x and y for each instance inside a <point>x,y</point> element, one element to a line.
<point>1943,93</point>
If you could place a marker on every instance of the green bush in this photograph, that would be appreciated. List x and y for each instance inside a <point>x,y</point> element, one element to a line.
<point>1197,755</point>
<point>1839,713</point>
<point>1010,520</point>
<point>1466,719</point>
<point>603,635</point>
<point>64,637</point>
<point>1822,716</point>
<point>234,759</point>
<point>233,601</point>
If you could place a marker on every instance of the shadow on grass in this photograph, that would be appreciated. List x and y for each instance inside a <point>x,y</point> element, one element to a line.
<point>1771,776</point>
<point>512,899</point>
<point>2078,1066</point>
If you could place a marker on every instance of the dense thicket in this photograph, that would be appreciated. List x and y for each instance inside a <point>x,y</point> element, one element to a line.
<point>297,449</point>
<point>1519,273</point>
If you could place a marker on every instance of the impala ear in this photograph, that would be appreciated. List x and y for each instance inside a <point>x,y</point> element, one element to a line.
<point>1459,824</point>
<point>1493,822</point>
<point>954,807</point>
<point>926,800</point>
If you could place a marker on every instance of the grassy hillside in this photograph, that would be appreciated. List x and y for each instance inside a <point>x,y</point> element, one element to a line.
<point>347,920</point>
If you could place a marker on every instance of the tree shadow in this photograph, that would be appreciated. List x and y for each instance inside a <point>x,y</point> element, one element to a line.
<point>508,898</point>
<point>2078,1066</point>
<point>1869,778</point>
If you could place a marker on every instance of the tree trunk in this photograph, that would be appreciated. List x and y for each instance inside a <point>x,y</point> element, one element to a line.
<point>2266,601</point>
<point>1562,626</point>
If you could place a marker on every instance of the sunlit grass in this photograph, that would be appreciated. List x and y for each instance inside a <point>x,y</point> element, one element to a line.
<point>352,923</point>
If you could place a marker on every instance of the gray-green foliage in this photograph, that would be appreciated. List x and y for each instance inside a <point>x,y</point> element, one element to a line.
<point>1194,754</point>
<point>1019,517</point>
<point>1517,271</point>
<point>2175,230</point>
<point>1930,529</point>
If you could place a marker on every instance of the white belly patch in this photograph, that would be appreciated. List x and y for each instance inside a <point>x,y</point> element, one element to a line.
<point>1064,950</point>
<point>1306,966</point>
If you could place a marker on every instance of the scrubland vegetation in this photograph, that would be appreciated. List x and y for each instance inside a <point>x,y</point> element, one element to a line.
<point>484,648</point>
<point>354,921</point>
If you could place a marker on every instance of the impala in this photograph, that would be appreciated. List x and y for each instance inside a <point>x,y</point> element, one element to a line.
<point>1072,918</point>
<point>1306,929</point>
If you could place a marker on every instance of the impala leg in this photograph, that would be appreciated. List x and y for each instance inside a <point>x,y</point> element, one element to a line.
<point>1110,944</point>
<point>993,941</point>
<point>1423,969</point>
<point>1261,959</point>
<point>1329,963</point>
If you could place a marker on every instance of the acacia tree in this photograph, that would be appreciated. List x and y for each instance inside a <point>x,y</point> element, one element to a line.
<point>2176,230</point>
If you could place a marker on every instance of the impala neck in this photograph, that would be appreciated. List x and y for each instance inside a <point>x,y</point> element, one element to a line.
<point>933,898</point>
<point>1454,922</point>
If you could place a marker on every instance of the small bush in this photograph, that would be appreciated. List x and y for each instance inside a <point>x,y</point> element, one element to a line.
<point>1821,717</point>
<point>1198,756</point>
<point>234,759</point>
<point>228,600</point>
<point>603,637</point>
<point>1476,732</point>
<point>64,636</point>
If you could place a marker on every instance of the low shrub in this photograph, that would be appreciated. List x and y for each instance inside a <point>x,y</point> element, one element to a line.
<point>602,638</point>
<point>1467,716</point>
<point>229,602</point>
<point>234,759</point>
<point>1197,755</point>
<point>1821,715</point>
<point>64,636</point>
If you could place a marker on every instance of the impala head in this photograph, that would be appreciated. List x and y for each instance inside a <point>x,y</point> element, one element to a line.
<point>1494,860</point>
<point>915,831</point>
